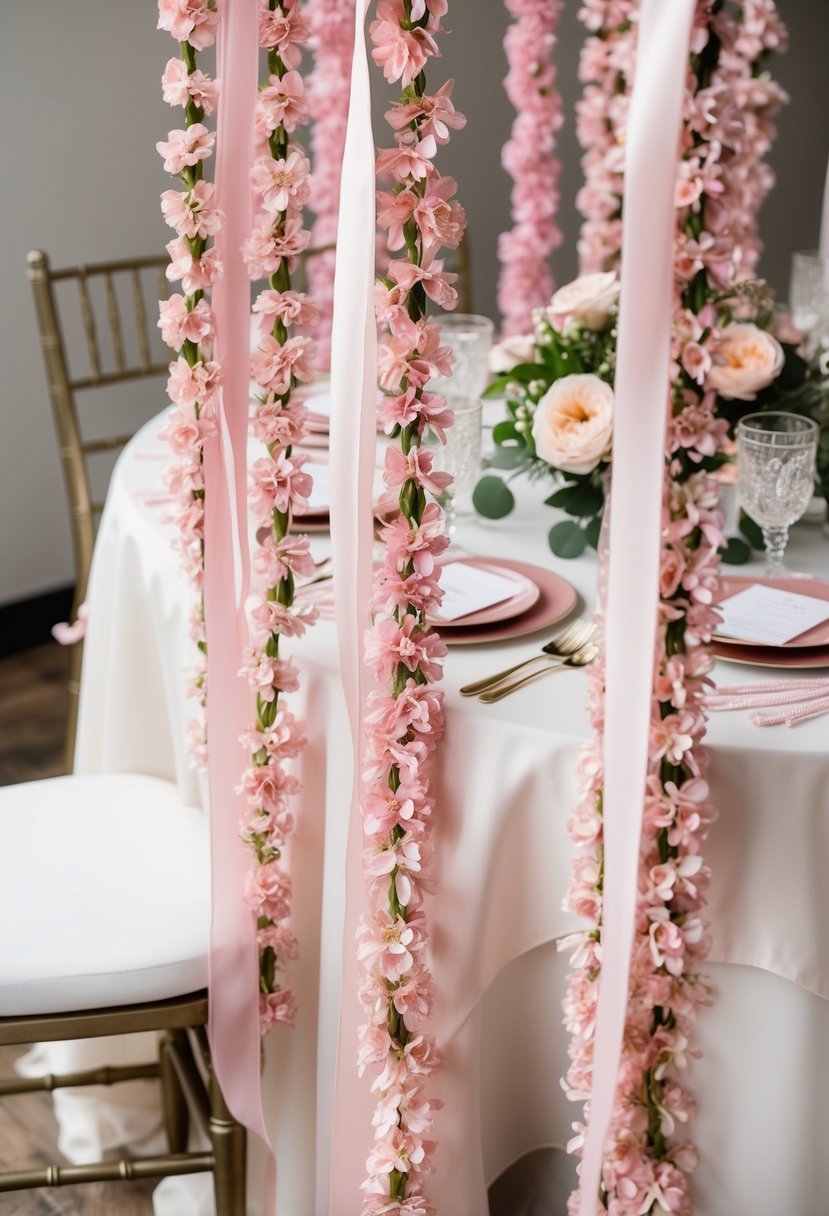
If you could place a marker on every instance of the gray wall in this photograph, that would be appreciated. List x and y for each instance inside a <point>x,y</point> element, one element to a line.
<point>80,112</point>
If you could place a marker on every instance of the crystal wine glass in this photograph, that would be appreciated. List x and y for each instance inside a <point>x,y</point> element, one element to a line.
<point>469,337</point>
<point>809,294</point>
<point>460,456</point>
<point>776,460</point>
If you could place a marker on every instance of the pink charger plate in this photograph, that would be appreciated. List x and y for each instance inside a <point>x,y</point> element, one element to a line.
<point>818,636</point>
<point>556,600</point>
<point>802,659</point>
<point>527,593</point>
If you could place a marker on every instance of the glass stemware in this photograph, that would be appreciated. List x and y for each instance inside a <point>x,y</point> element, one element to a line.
<point>469,337</point>
<point>809,295</point>
<point>776,461</point>
<point>460,456</point>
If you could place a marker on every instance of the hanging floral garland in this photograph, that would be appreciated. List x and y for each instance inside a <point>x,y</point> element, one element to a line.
<point>332,41</point>
<point>526,281</point>
<point>648,1160</point>
<point>279,485</point>
<point>186,320</point>
<point>405,719</point>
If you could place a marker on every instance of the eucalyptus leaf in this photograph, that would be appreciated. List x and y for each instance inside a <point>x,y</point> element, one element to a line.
<point>567,539</point>
<point>492,498</point>
<point>736,552</point>
<point>751,531</point>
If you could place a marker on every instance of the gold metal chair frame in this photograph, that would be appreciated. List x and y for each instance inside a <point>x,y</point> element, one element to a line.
<point>72,448</point>
<point>185,1093</point>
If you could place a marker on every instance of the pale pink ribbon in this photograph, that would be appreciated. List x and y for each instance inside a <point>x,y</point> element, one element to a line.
<point>642,390</point>
<point>233,962</point>
<point>352,459</point>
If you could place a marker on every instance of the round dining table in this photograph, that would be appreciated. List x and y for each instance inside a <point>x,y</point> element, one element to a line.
<point>505,787</point>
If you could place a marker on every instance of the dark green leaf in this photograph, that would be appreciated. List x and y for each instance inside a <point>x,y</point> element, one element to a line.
<point>593,531</point>
<point>736,552</point>
<point>581,498</point>
<point>503,431</point>
<point>567,539</point>
<point>751,531</point>
<point>492,498</point>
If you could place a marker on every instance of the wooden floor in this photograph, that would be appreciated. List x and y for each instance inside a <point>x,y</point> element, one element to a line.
<point>32,721</point>
<point>33,702</point>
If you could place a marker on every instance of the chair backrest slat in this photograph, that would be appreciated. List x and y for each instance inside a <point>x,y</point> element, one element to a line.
<point>141,321</point>
<point>89,324</point>
<point>72,448</point>
<point>115,323</point>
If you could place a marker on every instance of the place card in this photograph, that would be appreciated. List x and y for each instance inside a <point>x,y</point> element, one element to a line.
<point>468,589</point>
<point>769,616</point>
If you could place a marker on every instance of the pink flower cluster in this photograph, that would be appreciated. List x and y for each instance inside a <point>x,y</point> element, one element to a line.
<point>721,182</point>
<point>728,131</point>
<point>186,321</point>
<point>279,485</point>
<point>332,38</point>
<point>529,156</point>
<point>405,718</point>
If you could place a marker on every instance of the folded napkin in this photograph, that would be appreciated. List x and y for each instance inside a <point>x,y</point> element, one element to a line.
<point>803,699</point>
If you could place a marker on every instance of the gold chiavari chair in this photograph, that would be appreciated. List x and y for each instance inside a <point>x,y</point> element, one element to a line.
<point>74,450</point>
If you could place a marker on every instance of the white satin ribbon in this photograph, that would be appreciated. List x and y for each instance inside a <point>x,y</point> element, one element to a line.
<point>642,385</point>
<point>352,460</point>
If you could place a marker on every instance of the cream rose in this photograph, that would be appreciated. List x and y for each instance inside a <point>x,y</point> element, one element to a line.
<point>504,356</point>
<point>589,300</point>
<point>573,423</point>
<point>745,360</point>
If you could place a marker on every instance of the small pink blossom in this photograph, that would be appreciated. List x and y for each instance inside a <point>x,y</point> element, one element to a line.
<point>180,87</point>
<point>185,148</point>
<point>281,183</point>
<point>192,213</point>
<point>193,21</point>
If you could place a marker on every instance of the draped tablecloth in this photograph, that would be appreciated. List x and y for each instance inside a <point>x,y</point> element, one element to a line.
<point>505,788</point>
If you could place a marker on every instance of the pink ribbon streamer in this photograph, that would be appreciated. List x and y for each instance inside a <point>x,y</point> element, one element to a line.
<point>352,459</point>
<point>233,963</point>
<point>642,380</point>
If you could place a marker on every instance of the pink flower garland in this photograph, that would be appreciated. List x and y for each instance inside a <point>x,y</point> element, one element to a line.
<point>332,39</point>
<point>279,485</point>
<point>405,721</point>
<point>526,281</point>
<point>186,321</point>
<point>648,1160</point>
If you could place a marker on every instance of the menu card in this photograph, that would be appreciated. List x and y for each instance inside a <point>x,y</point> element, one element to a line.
<point>468,589</point>
<point>769,616</point>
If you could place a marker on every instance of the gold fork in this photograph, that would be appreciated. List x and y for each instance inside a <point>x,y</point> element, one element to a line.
<point>580,658</point>
<point>576,634</point>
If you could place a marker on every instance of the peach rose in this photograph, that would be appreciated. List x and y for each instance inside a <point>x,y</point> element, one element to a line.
<point>745,359</point>
<point>574,422</point>
<point>505,355</point>
<point>589,300</point>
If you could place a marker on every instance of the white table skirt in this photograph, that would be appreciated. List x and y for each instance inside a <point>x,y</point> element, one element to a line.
<point>505,787</point>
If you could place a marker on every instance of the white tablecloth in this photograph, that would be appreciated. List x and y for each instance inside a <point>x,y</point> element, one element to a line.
<point>505,787</point>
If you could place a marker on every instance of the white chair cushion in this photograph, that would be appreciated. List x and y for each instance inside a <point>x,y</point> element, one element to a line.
<point>104,894</point>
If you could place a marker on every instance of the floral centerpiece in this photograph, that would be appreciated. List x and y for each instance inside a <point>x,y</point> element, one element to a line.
<point>557,383</point>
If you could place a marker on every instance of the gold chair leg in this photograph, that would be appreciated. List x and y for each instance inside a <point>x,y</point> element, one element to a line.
<point>229,1144</point>
<point>176,1113</point>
